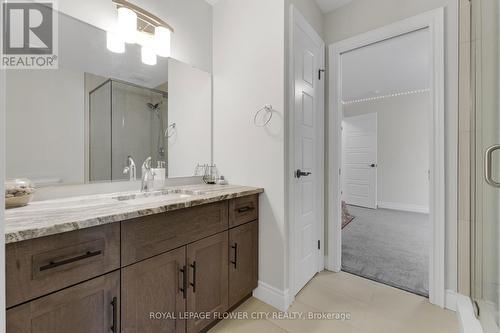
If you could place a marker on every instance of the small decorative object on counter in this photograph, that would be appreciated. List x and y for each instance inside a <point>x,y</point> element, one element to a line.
<point>222,180</point>
<point>18,192</point>
<point>211,174</point>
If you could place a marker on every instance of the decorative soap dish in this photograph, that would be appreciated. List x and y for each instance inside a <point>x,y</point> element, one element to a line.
<point>18,192</point>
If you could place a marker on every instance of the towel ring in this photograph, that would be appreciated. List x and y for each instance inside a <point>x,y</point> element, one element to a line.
<point>268,108</point>
<point>167,131</point>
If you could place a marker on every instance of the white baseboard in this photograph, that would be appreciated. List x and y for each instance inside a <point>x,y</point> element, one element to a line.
<point>450,301</point>
<point>280,299</point>
<point>403,207</point>
<point>467,321</point>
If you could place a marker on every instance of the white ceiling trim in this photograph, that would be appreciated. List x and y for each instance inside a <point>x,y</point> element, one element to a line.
<point>212,2</point>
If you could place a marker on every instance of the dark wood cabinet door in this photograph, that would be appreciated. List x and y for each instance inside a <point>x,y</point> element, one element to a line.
<point>208,279</point>
<point>243,261</point>
<point>92,306</point>
<point>152,294</point>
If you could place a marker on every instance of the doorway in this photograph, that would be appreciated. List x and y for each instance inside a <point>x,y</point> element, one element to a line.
<point>430,23</point>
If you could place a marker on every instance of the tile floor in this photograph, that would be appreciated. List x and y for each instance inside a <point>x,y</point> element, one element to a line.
<point>373,307</point>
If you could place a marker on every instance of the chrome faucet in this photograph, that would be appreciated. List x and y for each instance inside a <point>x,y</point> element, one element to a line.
<point>147,176</point>
<point>130,169</point>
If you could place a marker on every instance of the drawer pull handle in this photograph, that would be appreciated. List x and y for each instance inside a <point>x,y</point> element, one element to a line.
<point>193,284</point>
<point>235,262</point>
<point>54,264</point>
<point>245,209</point>
<point>115,309</point>
<point>184,282</point>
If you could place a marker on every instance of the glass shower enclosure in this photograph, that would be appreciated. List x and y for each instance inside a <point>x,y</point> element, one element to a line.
<point>485,63</point>
<point>125,120</point>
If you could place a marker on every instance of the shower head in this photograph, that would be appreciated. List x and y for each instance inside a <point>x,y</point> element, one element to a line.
<point>153,106</point>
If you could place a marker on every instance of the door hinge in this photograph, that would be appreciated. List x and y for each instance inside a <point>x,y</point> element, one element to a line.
<point>319,244</point>
<point>319,73</point>
<point>340,171</point>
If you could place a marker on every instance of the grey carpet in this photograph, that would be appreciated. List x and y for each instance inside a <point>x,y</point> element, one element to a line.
<point>388,246</point>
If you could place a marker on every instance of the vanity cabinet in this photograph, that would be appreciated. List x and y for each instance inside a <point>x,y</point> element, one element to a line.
<point>158,273</point>
<point>90,307</point>
<point>153,288</point>
<point>208,279</point>
<point>244,260</point>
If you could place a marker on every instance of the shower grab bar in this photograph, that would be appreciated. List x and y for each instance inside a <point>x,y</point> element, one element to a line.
<point>488,166</point>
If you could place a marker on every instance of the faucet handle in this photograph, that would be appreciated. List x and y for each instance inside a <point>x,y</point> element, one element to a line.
<point>126,170</point>
<point>147,163</point>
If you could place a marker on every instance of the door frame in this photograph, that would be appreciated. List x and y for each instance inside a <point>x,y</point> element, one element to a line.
<point>434,21</point>
<point>375,185</point>
<point>297,19</point>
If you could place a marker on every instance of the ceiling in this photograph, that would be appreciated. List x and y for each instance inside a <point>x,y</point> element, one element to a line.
<point>395,65</point>
<point>330,5</point>
<point>325,5</point>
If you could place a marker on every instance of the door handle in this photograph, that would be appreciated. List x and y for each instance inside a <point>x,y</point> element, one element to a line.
<point>183,289</point>
<point>235,248</point>
<point>373,165</point>
<point>299,173</point>
<point>114,305</point>
<point>488,166</point>
<point>193,284</point>
<point>55,264</point>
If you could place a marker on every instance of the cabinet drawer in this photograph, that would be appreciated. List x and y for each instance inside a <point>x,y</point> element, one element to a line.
<point>40,266</point>
<point>148,236</point>
<point>243,210</point>
<point>90,307</point>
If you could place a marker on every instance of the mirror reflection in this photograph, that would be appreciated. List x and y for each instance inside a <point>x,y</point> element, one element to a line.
<point>100,115</point>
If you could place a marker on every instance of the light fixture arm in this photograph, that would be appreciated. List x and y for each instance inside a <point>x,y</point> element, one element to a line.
<point>143,14</point>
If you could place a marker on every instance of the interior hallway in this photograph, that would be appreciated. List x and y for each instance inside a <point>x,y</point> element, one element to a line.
<point>374,308</point>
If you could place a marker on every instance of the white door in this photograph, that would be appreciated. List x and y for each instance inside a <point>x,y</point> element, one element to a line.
<point>359,160</point>
<point>308,117</point>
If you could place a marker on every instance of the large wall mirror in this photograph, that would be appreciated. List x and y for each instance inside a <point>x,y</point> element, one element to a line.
<point>83,122</point>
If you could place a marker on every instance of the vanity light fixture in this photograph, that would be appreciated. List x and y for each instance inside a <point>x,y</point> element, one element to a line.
<point>136,25</point>
<point>127,24</point>
<point>115,42</point>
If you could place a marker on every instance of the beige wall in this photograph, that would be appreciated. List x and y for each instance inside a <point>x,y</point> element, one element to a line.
<point>364,15</point>
<point>310,10</point>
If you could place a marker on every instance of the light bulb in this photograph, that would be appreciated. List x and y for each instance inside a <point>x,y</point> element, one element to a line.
<point>114,42</point>
<point>162,41</point>
<point>148,55</point>
<point>127,24</point>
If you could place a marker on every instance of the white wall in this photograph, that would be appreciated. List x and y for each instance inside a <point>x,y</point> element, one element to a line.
<point>191,20</point>
<point>249,73</point>
<point>364,15</point>
<point>190,108</point>
<point>403,148</point>
<point>2,197</point>
<point>45,136</point>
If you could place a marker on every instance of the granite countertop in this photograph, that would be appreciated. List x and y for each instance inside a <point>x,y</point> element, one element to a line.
<point>50,217</point>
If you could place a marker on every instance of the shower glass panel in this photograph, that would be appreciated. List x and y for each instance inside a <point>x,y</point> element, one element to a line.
<point>486,164</point>
<point>125,120</point>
